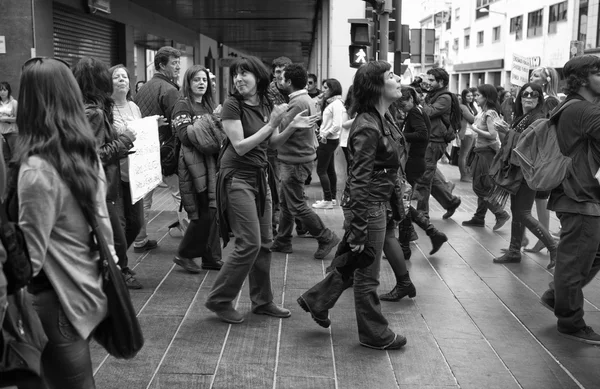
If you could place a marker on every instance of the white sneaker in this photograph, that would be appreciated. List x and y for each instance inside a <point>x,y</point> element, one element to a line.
<point>323,205</point>
<point>334,202</point>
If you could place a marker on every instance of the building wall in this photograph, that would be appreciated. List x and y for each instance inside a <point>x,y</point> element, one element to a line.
<point>16,27</point>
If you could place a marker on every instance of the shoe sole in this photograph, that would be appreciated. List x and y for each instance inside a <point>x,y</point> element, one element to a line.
<point>289,314</point>
<point>186,268</point>
<point>547,306</point>
<point>143,249</point>
<point>282,251</point>
<point>323,323</point>
<point>222,318</point>
<point>583,340</point>
<point>211,267</point>
<point>473,225</point>
<point>391,346</point>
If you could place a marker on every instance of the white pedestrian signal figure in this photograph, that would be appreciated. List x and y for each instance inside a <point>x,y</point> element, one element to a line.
<point>360,56</point>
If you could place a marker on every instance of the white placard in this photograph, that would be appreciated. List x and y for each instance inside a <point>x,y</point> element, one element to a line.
<point>144,164</point>
<point>519,74</point>
<point>2,44</point>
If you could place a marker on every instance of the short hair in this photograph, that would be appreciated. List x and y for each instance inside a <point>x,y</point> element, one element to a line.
<point>518,101</point>
<point>368,85</point>
<point>440,75</point>
<point>577,70</point>
<point>552,78</point>
<point>164,54</point>
<point>255,66</point>
<point>280,61</point>
<point>313,76</point>
<point>490,94</point>
<point>121,66</point>
<point>5,85</point>
<point>296,74</point>
<point>190,73</point>
<point>95,82</point>
<point>334,86</point>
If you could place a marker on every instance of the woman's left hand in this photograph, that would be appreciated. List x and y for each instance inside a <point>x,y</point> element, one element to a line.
<point>301,121</point>
<point>161,121</point>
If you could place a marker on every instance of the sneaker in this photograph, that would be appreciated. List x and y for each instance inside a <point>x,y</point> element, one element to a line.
<point>271,309</point>
<point>501,220</point>
<point>187,263</point>
<point>323,205</point>
<point>398,343</point>
<point>278,247</point>
<point>213,265</point>
<point>450,211</point>
<point>585,335</point>
<point>474,223</point>
<point>326,247</point>
<point>226,313</point>
<point>150,244</point>
<point>130,280</point>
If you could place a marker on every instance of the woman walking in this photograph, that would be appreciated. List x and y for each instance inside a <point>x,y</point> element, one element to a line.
<point>329,135</point>
<point>201,136</point>
<point>529,107</point>
<point>466,134</point>
<point>375,153</point>
<point>60,182</point>
<point>243,195</point>
<point>486,146</point>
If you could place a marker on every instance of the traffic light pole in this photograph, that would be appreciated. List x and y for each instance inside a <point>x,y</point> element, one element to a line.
<point>384,31</point>
<point>399,37</point>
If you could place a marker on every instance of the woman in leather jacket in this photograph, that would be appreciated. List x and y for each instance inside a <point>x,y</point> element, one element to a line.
<point>372,185</point>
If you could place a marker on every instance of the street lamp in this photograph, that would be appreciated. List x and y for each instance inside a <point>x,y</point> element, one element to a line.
<point>486,10</point>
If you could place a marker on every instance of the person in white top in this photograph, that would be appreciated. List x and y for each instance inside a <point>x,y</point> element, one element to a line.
<point>329,139</point>
<point>8,117</point>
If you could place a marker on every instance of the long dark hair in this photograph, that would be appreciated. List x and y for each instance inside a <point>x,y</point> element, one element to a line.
<point>5,85</point>
<point>463,101</point>
<point>368,85</point>
<point>52,124</point>
<point>519,104</point>
<point>95,82</point>
<point>335,89</point>
<point>349,100</point>
<point>187,85</point>
<point>491,96</point>
<point>255,66</point>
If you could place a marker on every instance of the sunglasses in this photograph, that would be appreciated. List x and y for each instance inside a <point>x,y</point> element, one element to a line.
<point>529,95</point>
<point>36,60</point>
<point>311,82</point>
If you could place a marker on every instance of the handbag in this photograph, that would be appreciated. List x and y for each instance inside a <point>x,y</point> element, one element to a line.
<point>22,338</point>
<point>119,333</point>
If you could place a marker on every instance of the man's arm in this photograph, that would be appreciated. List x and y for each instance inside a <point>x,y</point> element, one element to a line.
<point>440,106</point>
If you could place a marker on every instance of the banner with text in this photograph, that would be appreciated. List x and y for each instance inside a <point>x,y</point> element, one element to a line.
<point>519,74</point>
<point>144,164</point>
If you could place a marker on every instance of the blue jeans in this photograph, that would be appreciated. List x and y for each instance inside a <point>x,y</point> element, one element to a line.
<point>326,168</point>
<point>66,360</point>
<point>577,263</point>
<point>373,329</point>
<point>293,206</point>
<point>251,256</point>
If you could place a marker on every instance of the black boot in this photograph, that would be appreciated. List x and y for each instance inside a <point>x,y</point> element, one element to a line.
<point>404,287</point>
<point>406,250</point>
<point>437,237</point>
<point>513,254</point>
<point>544,236</point>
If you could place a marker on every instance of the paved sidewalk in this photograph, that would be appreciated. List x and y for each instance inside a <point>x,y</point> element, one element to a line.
<point>473,324</point>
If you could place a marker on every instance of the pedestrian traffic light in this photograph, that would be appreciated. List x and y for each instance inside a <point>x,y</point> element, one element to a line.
<point>361,38</point>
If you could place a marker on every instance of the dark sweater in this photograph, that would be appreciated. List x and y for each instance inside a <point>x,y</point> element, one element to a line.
<point>416,132</point>
<point>578,133</point>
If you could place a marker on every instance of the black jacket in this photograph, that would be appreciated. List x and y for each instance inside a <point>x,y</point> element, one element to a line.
<point>376,146</point>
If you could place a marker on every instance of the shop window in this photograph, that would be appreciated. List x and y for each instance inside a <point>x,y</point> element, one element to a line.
<point>480,38</point>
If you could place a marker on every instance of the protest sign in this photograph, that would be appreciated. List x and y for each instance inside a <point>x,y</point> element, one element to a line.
<point>144,163</point>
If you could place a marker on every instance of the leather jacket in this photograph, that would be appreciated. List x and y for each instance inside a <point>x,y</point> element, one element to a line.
<point>376,147</point>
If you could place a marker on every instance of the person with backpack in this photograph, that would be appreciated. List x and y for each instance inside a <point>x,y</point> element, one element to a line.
<point>486,147</point>
<point>444,113</point>
<point>528,108</point>
<point>576,200</point>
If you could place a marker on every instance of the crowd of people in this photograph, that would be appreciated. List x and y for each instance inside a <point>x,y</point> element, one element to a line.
<point>239,171</point>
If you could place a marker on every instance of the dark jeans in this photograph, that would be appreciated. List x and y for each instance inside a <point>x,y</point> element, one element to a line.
<point>326,168</point>
<point>577,263</point>
<point>429,184</point>
<point>66,360</point>
<point>520,207</point>
<point>293,206</point>
<point>251,256</point>
<point>482,182</point>
<point>373,329</point>
<point>201,238</point>
<point>132,215</point>
<point>9,145</point>
<point>115,214</point>
<point>347,157</point>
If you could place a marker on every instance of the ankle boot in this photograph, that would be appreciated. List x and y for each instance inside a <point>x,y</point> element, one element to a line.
<point>437,237</point>
<point>545,237</point>
<point>513,254</point>
<point>404,287</point>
